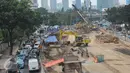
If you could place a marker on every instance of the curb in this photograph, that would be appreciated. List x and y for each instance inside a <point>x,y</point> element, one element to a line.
<point>6,62</point>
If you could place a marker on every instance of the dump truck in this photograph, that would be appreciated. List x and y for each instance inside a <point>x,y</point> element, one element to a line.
<point>79,41</point>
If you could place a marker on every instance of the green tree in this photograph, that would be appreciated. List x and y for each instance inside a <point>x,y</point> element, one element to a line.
<point>44,14</point>
<point>16,13</point>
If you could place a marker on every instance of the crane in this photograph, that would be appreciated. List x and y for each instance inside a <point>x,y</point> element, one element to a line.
<point>77,10</point>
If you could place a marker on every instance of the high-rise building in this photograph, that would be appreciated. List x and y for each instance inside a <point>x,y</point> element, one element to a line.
<point>127,2</point>
<point>106,4</point>
<point>87,4</point>
<point>44,4</point>
<point>116,3</point>
<point>65,4</point>
<point>53,5</point>
<point>59,6</point>
<point>74,2</point>
<point>34,4</point>
<point>78,4</point>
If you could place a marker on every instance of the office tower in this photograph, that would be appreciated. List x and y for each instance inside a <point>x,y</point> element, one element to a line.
<point>87,4</point>
<point>116,3</point>
<point>53,5</point>
<point>65,4</point>
<point>127,2</point>
<point>74,2</point>
<point>34,4</point>
<point>59,6</point>
<point>78,4</point>
<point>44,4</point>
<point>106,4</point>
<point>113,3</point>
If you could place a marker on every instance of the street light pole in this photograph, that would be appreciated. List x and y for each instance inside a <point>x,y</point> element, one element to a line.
<point>90,10</point>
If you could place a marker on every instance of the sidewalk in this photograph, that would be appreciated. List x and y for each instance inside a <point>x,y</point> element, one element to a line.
<point>6,57</point>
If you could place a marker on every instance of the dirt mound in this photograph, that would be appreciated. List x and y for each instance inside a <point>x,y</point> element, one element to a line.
<point>105,38</point>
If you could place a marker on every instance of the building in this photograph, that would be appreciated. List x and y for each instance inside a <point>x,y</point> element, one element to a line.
<point>59,6</point>
<point>94,7</point>
<point>78,4</point>
<point>87,2</point>
<point>101,4</point>
<point>65,4</point>
<point>53,5</point>
<point>74,2</point>
<point>34,4</point>
<point>44,4</point>
<point>116,3</point>
<point>127,2</point>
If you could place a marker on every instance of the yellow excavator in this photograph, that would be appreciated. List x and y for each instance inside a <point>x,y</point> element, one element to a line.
<point>79,41</point>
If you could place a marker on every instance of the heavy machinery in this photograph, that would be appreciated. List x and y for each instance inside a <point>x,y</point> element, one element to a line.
<point>67,36</point>
<point>81,41</point>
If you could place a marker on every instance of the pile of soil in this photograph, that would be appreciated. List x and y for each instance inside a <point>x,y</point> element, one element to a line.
<point>106,38</point>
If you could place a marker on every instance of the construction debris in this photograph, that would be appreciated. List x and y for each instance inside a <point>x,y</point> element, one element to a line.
<point>106,38</point>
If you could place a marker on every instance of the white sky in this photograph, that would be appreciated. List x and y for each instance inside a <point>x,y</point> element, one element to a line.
<point>94,2</point>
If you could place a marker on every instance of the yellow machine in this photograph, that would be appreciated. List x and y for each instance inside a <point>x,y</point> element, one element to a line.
<point>66,32</point>
<point>81,41</point>
<point>67,37</point>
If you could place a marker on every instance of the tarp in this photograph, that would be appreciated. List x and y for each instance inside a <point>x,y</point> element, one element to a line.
<point>51,39</point>
<point>54,62</point>
<point>53,30</point>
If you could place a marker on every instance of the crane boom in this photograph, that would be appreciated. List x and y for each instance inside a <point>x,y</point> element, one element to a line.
<point>77,10</point>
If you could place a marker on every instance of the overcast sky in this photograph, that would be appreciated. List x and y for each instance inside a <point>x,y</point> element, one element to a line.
<point>94,2</point>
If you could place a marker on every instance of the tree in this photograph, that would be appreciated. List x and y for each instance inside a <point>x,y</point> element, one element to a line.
<point>16,13</point>
<point>44,14</point>
<point>119,15</point>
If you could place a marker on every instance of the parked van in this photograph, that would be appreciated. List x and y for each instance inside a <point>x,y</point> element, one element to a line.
<point>33,64</point>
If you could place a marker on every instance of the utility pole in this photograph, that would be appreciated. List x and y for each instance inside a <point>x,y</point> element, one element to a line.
<point>101,12</point>
<point>90,10</point>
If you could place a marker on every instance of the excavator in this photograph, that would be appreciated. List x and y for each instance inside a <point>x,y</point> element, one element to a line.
<point>80,41</point>
<point>70,36</point>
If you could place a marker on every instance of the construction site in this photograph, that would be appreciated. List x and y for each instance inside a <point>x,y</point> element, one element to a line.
<point>85,49</point>
<point>80,52</point>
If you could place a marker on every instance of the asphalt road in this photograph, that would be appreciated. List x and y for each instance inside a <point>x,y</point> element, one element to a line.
<point>25,70</point>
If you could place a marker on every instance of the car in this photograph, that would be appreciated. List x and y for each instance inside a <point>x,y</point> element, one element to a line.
<point>32,55</point>
<point>34,51</point>
<point>23,57</point>
<point>24,52</point>
<point>33,64</point>
<point>20,63</point>
<point>36,45</point>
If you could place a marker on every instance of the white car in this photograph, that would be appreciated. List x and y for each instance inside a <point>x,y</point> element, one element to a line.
<point>33,64</point>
